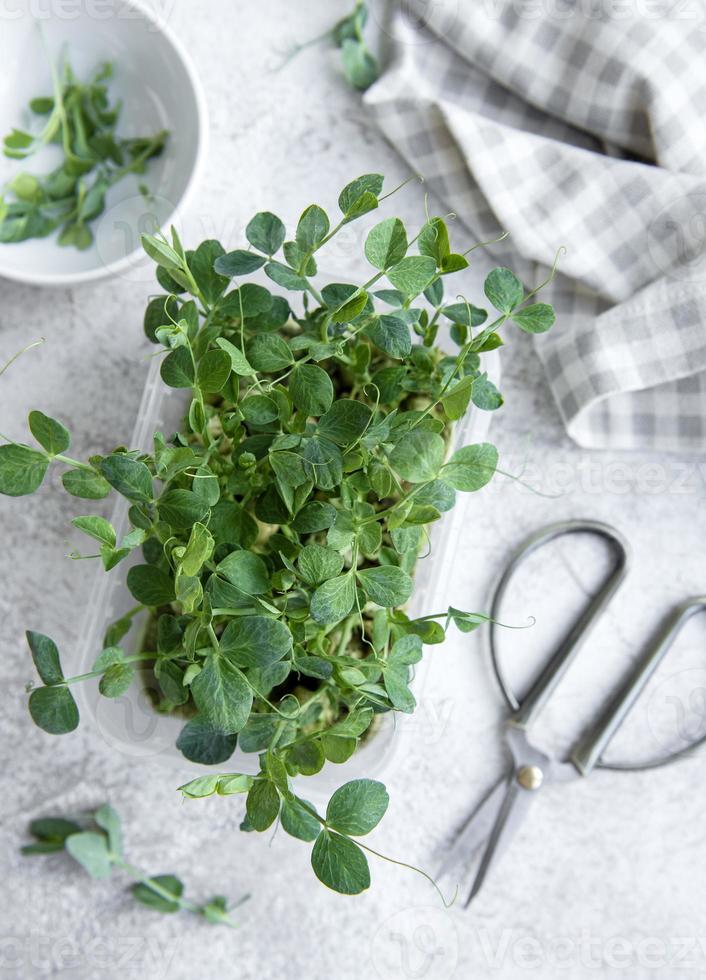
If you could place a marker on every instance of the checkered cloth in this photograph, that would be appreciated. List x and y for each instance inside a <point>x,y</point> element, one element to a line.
<point>567,128</point>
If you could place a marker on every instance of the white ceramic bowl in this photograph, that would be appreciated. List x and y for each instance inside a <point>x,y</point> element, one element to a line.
<point>159,89</point>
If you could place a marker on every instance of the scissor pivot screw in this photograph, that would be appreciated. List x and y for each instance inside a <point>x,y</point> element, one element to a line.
<point>530,777</point>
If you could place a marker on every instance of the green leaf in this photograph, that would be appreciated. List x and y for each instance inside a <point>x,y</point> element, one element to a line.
<point>266,232</point>
<point>259,410</point>
<point>391,334</point>
<point>97,528</point>
<point>359,66</point>
<point>46,657</point>
<point>87,486</point>
<point>107,818</point>
<point>318,564</point>
<point>150,585</point>
<point>269,353</point>
<point>222,694</point>
<point>238,360</point>
<point>314,516</point>
<point>307,756</point>
<point>333,600</point>
<point>54,710</point>
<point>357,807</point>
<point>248,300</point>
<point>503,289</point>
<point>345,421</point>
<point>130,477</point>
<point>412,274</point>
<point>471,467</point>
<point>386,585</point>
<point>22,470</point>
<point>352,195</point>
<point>313,227</point>
<point>465,313</point>
<point>255,641</point>
<point>457,398</point>
<point>177,369</point>
<point>485,395</point>
<point>386,244</point>
<point>199,741</point>
<point>198,550</point>
<point>285,277</point>
<point>202,262</point>
<point>396,681</point>
<point>418,455</point>
<point>340,864</point>
<point>182,508</point>
<point>238,263</point>
<point>154,900</point>
<point>91,852</point>
<point>351,308</point>
<point>213,371</point>
<point>116,680</point>
<point>50,434</point>
<point>323,462</point>
<point>434,240</point>
<point>53,828</point>
<point>262,805</point>
<point>298,822</point>
<point>536,318</point>
<point>311,389</point>
<point>247,571</point>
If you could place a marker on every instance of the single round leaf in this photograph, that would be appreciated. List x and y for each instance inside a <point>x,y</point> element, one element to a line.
<point>269,353</point>
<point>255,641</point>
<point>154,900</point>
<point>177,370</point>
<point>418,456</point>
<point>262,805</point>
<point>536,318</point>
<point>150,585</point>
<point>238,263</point>
<point>298,822</point>
<point>357,807</point>
<point>54,710</point>
<point>315,516</point>
<point>116,680</point>
<point>503,289</point>
<point>313,227</point>
<point>222,694</point>
<point>386,585</point>
<point>22,470</point>
<point>87,486</point>
<point>333,600</point>
<point>46,657</point>
<point>317,564</point>
<point>213,371</point>
<point>471,467</point>
<point>340,864</point>
<point>91,852</point>
<point>130,477</point>
<point>311,389</point>
<point>182,508</point>
<point>345,421</point>
<point>386,243</point>
<point>50,434</point>
<point>247,571</point>
<point>265,232</point>
<point>200,742</point>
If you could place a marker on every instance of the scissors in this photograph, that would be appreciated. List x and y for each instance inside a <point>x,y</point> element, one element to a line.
<point>491,826</point>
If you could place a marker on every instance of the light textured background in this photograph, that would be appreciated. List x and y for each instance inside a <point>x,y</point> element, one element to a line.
<point>606,879</point>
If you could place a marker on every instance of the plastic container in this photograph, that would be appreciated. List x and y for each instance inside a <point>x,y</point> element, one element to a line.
<point>130,724</point>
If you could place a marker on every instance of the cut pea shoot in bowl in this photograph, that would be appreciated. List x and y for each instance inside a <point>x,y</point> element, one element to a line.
<point>279,529</point>
<point>88,162</point>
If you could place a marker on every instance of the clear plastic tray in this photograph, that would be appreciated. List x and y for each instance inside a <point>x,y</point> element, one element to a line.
<point>131,726</point>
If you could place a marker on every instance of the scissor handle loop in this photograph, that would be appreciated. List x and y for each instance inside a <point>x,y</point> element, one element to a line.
<point>525,712</point>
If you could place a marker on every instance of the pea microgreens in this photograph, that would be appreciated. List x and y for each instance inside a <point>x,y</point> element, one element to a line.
<point>99,851</point>
<point>279,529</point>
<point>360,66</point>
<point>81,120</point>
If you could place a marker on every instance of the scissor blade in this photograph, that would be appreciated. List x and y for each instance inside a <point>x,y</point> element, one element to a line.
<point>474,831</point>
<point>509,817</point>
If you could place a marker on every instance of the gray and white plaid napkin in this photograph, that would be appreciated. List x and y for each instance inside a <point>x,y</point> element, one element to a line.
<point>579,124</point>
